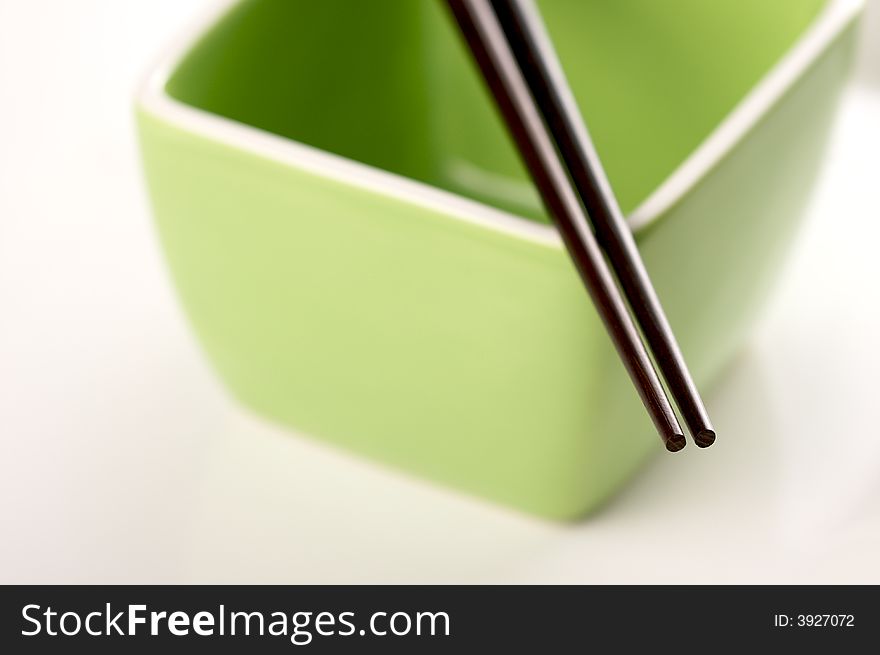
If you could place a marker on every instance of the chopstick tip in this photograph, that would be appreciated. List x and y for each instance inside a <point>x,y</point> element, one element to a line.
<point>675,443</point>
<point>705,438</point>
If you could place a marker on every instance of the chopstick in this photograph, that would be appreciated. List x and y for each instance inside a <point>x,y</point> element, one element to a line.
<point>536,58</point>
<point>485,37</point>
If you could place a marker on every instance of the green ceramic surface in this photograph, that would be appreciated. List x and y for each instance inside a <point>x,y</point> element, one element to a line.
<point>463,353</point>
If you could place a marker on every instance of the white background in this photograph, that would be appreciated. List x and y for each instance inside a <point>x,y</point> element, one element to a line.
<point>123,460</point>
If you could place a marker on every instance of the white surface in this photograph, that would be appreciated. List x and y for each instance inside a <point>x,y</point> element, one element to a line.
<point>122,459</point>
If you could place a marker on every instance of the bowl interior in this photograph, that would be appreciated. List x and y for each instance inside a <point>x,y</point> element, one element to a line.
<point>389,83</point>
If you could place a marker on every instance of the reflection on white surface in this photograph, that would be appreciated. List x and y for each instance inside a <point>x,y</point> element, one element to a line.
<point>121,459</point>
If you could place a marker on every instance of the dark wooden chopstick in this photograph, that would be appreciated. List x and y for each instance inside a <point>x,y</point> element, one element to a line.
<point>483,33</point>
<point>537,61</point>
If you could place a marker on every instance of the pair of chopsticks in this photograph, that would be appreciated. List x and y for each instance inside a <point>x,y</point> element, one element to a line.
<point>519,64</point>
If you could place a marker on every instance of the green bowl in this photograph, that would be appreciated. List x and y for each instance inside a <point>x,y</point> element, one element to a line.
<point>361,255</point>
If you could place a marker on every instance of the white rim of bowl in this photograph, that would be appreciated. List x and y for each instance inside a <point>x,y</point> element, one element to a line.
<point>154,100</point>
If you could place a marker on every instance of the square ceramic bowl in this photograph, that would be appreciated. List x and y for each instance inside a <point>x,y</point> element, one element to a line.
<point>362,258</point>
